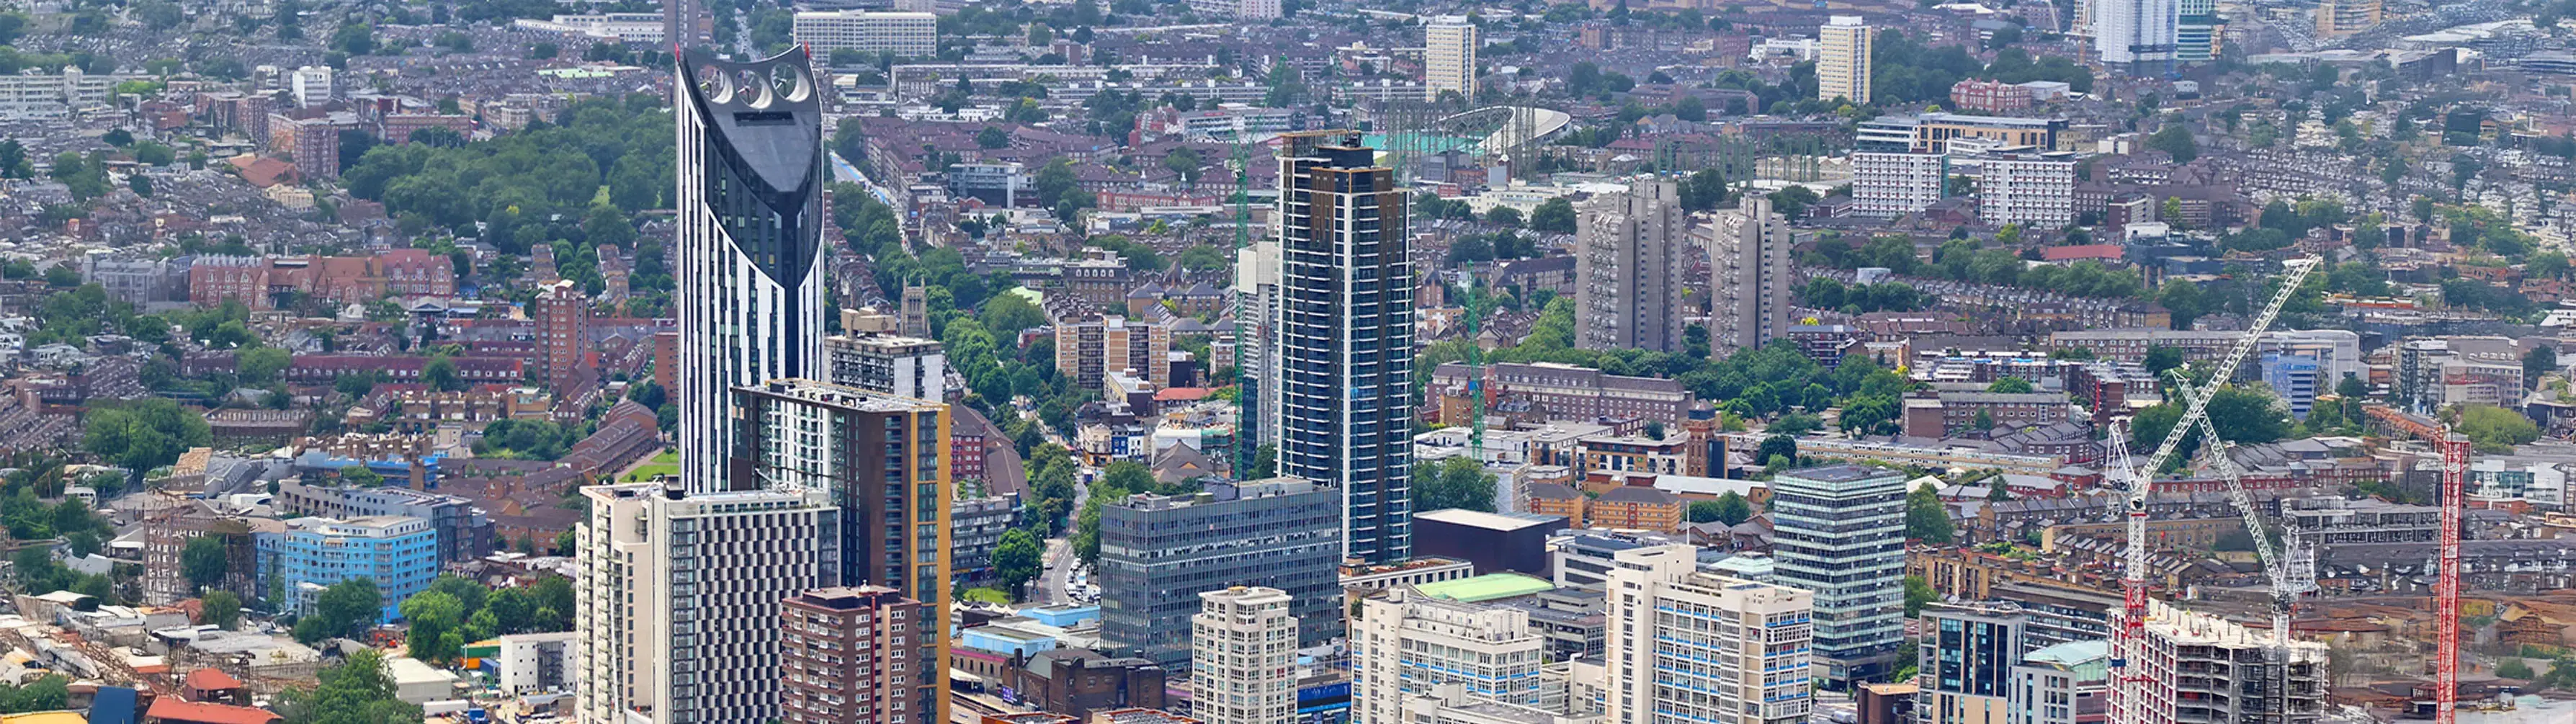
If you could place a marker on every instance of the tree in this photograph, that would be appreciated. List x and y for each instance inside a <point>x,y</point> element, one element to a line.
<point>144,434</point>
<point>356,691</point>
<point>441,374</point>
<point>991,138</point>
<point>1010,313</point>
<point>260,365</point>
<point>2009,385</point>
<point>1729,508</point>
<point>1016,559</point>
<point>2494,429</point>
<point>1775,448</point>
<point>205,561</point>
<point>1504,216</point>
<point>1918,593</point>
<point>1926,518</point>
<point>1554,216</point>
<point>2175,139</point>
<point>1457,482</point>
<point>1792,202</point>
<point>2541,360</point>
<point>2514,668</point>
<point>2245,415</point>
<point>434,616</point>
<point>345,610</point>
<point>2161,358</point>
<point>223,609</point>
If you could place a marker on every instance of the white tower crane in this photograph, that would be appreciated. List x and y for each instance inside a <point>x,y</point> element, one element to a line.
<point>2140,480</point>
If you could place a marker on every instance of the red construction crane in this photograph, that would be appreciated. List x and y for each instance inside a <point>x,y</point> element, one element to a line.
<point>2446,589</point>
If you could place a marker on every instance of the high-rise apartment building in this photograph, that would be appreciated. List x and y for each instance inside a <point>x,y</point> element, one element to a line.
<point>1840,533</point>
<point>1256,289</point>
<point>2294,379</point>
<point>560,309</point>
<point>2196,667</point>
<point>1631,268</point>
<point>2035,189</point>
<point>1966,662</point>
<point>750,244</point>
<point>1842,60</point>
<point>678,599</point>
<point>2339,18</point>
<point>2136,36</point>
<point>1749,259</point>
<point>1405,643</point>
<point>1449,58</point>
<point>687,23</point>
<point>1088,350</point>
<point>882,464</point>
<point>1682,645</point>
<point>1346,337</point>
<point>1243,657</point>
<point>1253,10</point>
<point>855,655</point>
<point>900,366</point>
<point>1159,552</point>
<point>1889,185</point>
<point>910,35</point>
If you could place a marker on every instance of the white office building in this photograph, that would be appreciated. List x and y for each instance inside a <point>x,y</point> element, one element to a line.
<point>48,96</point>
<point>311,85</point>
<point>678,599</point>
<point>1841,535</point>
<point>1449,57</point>
<point>1889,185</point>
<point>910,35</point>
<point>1680,645</point>
<point>1405,644</point>
<point>1243,657</point>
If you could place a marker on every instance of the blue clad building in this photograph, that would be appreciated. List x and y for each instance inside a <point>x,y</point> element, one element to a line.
<point>400,553</point>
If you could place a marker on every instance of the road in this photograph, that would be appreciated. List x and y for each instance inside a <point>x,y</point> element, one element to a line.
<point>1052,584</point>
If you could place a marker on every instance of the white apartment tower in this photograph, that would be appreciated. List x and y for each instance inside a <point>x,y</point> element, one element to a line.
<point>1842,60</point>
<point>1253,10</point>
<point>2035,190</point>
<point>910,35</point>
<point>1243,657</point>
<point>1404,643</point>
<point>1631,268</point>
<point>1749,259</point>
<point>1256,289</point>
<point>2196,667</point>
<point>1889,185</point>
<point>2136,35</point>
<point>1449,57</point>
<point>678,597</point>
<point>1680,645</point>
<point>750,243</point>
<point>891,364</point>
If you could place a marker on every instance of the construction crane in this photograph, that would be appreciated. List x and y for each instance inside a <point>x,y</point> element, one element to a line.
<point>2140,480</point>
<point>2291,575</point>
<point>2446,587</point>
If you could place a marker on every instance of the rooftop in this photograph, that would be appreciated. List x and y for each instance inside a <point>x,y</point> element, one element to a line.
<point>1486,587</point>
<point>1491,521</point>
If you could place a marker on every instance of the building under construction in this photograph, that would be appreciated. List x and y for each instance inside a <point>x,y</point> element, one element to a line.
<point>2198,668</point>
